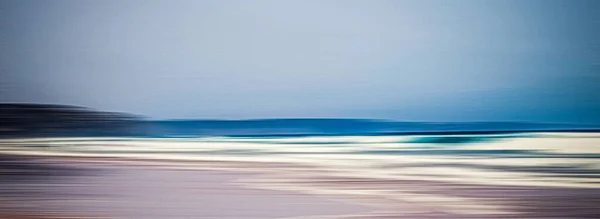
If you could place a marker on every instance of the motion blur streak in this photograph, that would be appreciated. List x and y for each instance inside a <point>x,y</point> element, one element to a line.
<point>441,176</point>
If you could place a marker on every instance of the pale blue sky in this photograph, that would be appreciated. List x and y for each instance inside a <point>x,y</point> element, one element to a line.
<point>461,60</point>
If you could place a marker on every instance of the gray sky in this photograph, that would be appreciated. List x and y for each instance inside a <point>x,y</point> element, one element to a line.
<point>462,60</point>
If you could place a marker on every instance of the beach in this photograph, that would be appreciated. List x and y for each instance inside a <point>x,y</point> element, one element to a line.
<point>114,190</point>
<point>532,176</point>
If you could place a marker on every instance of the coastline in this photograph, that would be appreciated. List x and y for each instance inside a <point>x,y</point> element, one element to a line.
<point>528,185</point>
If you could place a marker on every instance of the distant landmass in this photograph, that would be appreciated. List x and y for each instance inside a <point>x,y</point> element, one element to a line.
<point>25,120</point>
<point>60,120</point>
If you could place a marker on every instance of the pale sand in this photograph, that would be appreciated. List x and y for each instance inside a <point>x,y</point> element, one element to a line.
<point>62,189</point>
<point>121,188</point>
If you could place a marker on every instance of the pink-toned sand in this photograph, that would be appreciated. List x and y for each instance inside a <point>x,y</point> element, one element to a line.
<point>61,187</point>
<point>142,192</point>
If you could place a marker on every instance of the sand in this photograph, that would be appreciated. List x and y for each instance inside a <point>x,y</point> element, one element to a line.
<point>68,187</point>
<point>35,188</point>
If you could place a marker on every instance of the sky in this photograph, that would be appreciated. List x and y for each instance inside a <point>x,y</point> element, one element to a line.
<point>436,60</point>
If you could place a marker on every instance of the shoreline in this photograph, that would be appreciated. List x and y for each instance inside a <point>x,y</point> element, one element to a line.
<point>553,176</point>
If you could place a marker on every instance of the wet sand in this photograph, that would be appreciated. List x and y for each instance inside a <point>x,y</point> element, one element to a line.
<point>61,187</point>
<point>38,188</point>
